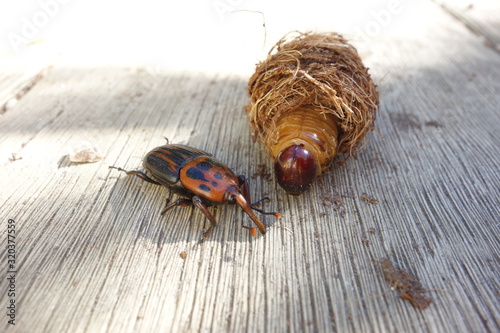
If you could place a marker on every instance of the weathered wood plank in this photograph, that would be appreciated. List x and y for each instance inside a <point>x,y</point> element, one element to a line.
<point>19,73</point>
<point>95,255</point>
<point>480,16</point>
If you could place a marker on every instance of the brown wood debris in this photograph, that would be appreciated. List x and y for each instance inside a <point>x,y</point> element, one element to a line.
<point>407,283</point>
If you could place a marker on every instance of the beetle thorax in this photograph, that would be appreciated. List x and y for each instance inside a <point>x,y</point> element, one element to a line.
<point>209,179</point>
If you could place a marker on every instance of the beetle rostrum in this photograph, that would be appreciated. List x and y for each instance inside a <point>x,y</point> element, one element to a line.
<point>200,180</point>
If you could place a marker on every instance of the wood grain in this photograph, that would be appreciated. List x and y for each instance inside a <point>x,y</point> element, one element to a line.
<point>95,255</point>
<point>479,16</point>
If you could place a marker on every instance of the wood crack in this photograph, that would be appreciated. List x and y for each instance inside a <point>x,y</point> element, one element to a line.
<point>29,84</point>
<point>487,41</point>
<point>14,156</point>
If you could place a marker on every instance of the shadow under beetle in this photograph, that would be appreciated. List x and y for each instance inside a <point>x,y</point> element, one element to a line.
<point>200,180</point>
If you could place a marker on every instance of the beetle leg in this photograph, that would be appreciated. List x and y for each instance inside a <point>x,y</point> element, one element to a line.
<point>181,202</point>
<point>198,203</point>
<point>139,174</point>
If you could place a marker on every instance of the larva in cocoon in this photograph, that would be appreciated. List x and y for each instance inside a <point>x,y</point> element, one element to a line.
<point>310,100</point>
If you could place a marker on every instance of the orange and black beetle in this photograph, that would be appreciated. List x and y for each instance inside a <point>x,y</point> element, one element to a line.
<point>200,180</point>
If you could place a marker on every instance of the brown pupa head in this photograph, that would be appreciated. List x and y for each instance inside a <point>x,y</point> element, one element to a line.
<point>295,169</point>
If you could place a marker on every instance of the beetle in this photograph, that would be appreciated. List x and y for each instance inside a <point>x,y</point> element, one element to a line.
<point>200,180</point>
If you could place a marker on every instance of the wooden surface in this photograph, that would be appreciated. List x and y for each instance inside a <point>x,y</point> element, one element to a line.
<point>95,255</point>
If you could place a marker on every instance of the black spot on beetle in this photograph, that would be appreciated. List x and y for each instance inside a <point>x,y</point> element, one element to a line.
<point>218,175</point>
<point>204,165</point>
<point>204,187</point>
<point>194,173</point>
<point>214,184</point>
<point>228,175</point>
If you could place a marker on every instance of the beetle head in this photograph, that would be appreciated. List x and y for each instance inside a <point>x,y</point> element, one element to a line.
<point>295,169</point>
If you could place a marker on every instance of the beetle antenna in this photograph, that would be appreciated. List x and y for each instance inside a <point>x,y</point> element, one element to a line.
<point>276,214</point>
<point>258,203</point>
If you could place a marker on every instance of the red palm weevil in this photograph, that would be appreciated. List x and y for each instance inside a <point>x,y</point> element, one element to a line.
<point>200,180</point>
